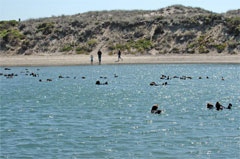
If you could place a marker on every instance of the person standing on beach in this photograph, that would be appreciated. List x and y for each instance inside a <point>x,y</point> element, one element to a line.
<point>99,56</point>
<point>91,59</point>
<point>119,55</point>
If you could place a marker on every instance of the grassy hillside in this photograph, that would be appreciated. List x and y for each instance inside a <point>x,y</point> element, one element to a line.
<point>175,29</point>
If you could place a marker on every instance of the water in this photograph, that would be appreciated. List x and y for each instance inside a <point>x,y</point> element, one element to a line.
<point>74,118</point>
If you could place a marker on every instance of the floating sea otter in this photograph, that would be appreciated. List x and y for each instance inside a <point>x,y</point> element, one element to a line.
<point>155,109</point>
<point>229,106</point>
<point>153,84</point>
<point>219,106</point>
<point>99,83</point>
<point>165,83</point>
<point>209,106</point>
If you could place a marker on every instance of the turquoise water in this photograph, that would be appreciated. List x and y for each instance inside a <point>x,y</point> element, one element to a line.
<point>74,118</point>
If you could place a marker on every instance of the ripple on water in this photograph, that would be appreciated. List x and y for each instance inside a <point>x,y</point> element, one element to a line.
<point>74,118</point>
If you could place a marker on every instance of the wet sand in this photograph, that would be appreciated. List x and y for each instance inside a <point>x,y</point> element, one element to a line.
<point>69,60</point>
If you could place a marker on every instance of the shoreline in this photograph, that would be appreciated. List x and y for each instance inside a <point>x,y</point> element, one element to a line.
<point>75,60</point>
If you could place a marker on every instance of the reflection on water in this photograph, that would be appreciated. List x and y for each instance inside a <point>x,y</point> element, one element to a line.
<point>74,118</point>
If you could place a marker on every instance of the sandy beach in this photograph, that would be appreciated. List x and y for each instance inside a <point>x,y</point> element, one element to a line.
<point>69,60</point>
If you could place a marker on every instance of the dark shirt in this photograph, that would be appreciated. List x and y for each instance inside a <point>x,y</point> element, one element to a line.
<point>119,53</point>
<point>99,53</point>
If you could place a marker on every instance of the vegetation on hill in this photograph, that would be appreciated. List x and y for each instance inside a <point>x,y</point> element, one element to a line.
<point>175,29</point>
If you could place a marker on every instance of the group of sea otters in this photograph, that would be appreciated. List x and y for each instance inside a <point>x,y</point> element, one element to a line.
<point>218,107</point>
<point>165,77</point>
<point>154,109</point>
<point>28,73</point>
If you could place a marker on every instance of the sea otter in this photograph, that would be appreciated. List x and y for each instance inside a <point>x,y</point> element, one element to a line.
<point>155,109</point>
<point>209,106</point>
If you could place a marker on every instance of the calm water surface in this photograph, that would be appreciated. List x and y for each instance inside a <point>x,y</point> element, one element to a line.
<point>74,118</point>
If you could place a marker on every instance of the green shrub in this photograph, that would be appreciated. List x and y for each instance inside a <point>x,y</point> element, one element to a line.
<point>191,45</point>
<point>120,47</point>
<point>3,33</point>
<point>175,50</point>
<point>234,20</point>
<point>110,53</point>
<point>66,48</point>
<point>220,47</point>
<point>203,49</point>
<point>8,24</point>
<point>92,43</point>
<point>158,18</point>
<point>140,45</point>
<point>144,44</point>
<point>233,25</point>
<point>189,22</point>
<point>141,50</point>
<point>45,28</point>
<point>11,34</point>
<point>201,39</point>
<point>11,22</point>
<point>233,44</point>
<point>238,28</point>
<point>208,19</point>
<point>82,50</point>
<point>111,47</point>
